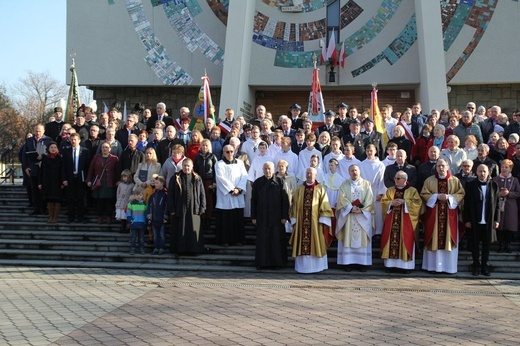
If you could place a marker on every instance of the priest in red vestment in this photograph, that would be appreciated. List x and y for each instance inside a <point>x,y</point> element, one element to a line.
<point>442,193</point>
<point>402,205</point>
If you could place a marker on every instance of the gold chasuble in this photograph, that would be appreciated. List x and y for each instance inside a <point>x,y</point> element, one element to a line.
<point>440,221</point>
<point>398,238</point>
<point>309,204</point>
<point>355,194</point>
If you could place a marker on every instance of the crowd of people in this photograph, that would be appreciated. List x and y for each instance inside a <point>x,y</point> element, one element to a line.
<point>345,180</point>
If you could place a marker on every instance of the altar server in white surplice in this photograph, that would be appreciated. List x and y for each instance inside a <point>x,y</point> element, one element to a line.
<point>373,170</point>
<point>354,215</point>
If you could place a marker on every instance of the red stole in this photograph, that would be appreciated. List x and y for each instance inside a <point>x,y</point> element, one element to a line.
<point>396,221</point>
<point>446,218</point>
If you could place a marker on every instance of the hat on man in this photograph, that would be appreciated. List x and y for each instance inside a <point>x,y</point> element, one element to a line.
<point>355,121</point>
<point>471,105</point>
<point>296,106</point>
<point>58,109</point>
<point>368,120</point>
<point>481,108</point>
<point>342,105</point>
<point>498,128</point>
<point>330,113</point>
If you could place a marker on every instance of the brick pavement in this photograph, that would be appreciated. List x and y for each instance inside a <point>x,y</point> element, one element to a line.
<point>119,307</point>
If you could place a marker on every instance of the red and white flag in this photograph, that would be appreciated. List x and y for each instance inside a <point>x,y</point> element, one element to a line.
<point>331,50</point>
<point>316,107</point>
<point>407,131</point>
<point>342,55</point>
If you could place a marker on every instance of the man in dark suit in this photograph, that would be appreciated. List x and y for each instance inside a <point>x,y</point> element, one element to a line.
<point>329,126</point>
<point>342,119</point>
<point>400,165</point>
<point>298,143</point>
<point>161,115</point>
<point>33,150</point>
<point>129,128</point>
<point>357,139</point>
<point>53,128</point>
<point>164,146</point>
<point>373,137</point>
<point>230,117</point>
<point>481,215</point>
<point>76,161</point>
<point>482,158</point>
<point>466,173</point>
<point>286,124</point>
<point>297,122</point>
<point>427,169</point>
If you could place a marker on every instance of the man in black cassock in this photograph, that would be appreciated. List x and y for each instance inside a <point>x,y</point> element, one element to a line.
<point>270,212</point>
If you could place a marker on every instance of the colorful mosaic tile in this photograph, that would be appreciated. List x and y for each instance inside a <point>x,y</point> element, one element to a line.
<point>220,9</point>
<point>158,59</point>
<point>399,46</point>
<point>456,24</point>
<point>307,5</point>
<point>295,59</point>
<point>479,18</point>
<point>181,19</point>
<point>349,12</point>
<point>273,43</point>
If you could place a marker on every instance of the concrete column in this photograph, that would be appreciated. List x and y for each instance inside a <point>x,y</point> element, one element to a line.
<point>432,92</point>
<point>235,76</point>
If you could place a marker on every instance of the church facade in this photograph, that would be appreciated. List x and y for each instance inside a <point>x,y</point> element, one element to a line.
<point>442,53</point>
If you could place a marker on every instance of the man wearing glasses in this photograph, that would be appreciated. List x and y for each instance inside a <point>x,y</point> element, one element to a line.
<point>231,179</point>
<point>402,206</point>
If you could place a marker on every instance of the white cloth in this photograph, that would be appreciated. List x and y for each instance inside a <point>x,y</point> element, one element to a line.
<point>399,263</point>
<point>256,169</point>
<point>388,161</point>
<point>389,126</point>
<point>310,264</point>
<point>229,177</point>
<point>374,172</point>
<point>304,158</point>
<point>250,147</point>
<point>344,165</point>
<point>291,158</point>
<point>327,158</point>
<point>319,177</point>
<point>332,183</point>
<point>359,224</point>
<point>273,150</point>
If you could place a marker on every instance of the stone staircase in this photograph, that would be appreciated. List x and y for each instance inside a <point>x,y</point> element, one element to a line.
<point>29,241</point>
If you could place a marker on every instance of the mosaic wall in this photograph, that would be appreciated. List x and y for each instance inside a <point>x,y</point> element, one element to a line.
<point>288,38</point>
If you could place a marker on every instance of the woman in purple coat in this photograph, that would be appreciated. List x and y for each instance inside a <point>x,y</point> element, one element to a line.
<point>509,192</point>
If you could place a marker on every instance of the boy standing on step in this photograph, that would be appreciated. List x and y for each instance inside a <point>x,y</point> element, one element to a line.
<point>136,216</point>
<point>158,214</point>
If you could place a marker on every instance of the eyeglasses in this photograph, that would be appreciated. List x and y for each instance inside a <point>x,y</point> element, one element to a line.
<point>398,178</point>
<point>228,151</point>
<point>470,107</point>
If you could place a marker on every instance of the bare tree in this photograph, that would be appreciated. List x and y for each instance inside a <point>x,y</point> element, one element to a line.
<point>13,126</point>
<point>36,94</point>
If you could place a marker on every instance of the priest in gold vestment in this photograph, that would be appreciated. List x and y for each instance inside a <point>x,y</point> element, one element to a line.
<point>442,193</point>
<point>402,205</point>
<point>355,222</point>
<point>311,216</point>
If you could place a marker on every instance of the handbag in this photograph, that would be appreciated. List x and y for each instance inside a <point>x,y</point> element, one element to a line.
<point>96,185</point>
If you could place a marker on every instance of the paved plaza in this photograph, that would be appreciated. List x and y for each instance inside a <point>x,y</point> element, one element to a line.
<point>54,306</point>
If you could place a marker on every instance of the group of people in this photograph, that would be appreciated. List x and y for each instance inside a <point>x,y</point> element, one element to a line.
<point>337,181</point>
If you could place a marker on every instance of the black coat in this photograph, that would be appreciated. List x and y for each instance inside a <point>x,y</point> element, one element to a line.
<point>204,165</point>
<point>391,170</point>
<point>50,177</point>
<point>68,164</point>
<point>269,205</point>
<point>473,204</point>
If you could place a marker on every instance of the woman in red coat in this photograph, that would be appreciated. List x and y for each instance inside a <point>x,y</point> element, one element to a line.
<point>101,179</point>
<point>194,144</point>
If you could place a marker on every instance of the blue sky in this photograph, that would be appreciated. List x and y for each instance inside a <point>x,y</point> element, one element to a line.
<point>33,37</point>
